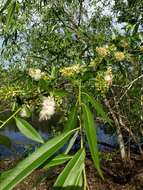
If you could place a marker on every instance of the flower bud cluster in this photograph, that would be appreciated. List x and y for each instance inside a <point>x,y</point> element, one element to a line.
<point>102,51</point>
<point>70,71</point>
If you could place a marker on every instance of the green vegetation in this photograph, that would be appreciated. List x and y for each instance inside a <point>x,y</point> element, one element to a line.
<point>68,56</point>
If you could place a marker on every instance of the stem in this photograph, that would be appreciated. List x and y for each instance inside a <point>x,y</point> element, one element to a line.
<point>129,86</point>
<point>10,118</point>
<point>85,180</point>
<point>81,133</point>
<point>80,115</point>
<point>79,94</point>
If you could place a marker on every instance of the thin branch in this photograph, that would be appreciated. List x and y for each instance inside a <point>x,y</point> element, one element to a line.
<point>118,130</point>
<point>80,11</point>
<point>129,86</point>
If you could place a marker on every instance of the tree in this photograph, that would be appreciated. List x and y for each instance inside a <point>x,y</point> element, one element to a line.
<point>67,55</point>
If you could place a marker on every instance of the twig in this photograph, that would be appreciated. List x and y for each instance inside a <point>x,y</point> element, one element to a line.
<point>129,86</point>
<point>5,122</point>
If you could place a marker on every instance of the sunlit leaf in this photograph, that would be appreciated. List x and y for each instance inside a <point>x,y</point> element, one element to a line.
<point>4,174</point>
<point>60,159</point>
<point>72,119</point>
<point>60,93</point>
<point>90,129</point>
<point>26,129</point>
<point>29,164</point>
<point>71,172</point>
<point>71,143</point>
<point>98,107</point>
<point>11,10</point>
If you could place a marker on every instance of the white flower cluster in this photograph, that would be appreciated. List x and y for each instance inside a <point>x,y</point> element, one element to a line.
<point>48,108</point>
<point>36,74</point>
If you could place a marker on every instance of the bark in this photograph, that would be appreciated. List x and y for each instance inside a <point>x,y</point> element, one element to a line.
<point>118,130</point>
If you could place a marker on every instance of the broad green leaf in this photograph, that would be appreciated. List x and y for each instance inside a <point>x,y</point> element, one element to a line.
<point>4,140</point>
<point>72,119</point>
<point>60,159</point>
<point>26,129</point>
<point>71,142</point>
<point>71,172</point>
<point>98,107</point>
<point>90,130</point>
<point>28,165</point>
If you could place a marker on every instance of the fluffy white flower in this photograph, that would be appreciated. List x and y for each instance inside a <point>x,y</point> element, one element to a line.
<point>48,108</point>
<point>36,74</point>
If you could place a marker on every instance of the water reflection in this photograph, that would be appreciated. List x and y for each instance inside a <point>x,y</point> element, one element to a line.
<point>47,129</point>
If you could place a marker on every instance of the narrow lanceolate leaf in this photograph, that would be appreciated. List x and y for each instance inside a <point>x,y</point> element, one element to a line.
<point>11,9</point>
<point>72,119</point>
<point>3,174</point>
<point>71,143</point>
<point>60,159</point>
<point>79,182</point>
<point>90,130</point>
<point>98,107</point>
<point>70,175</point>
<point>27,130</point>
<point>4,140</point>
<point>25,167</point>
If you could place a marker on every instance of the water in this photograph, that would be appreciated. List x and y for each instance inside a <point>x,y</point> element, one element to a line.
<point>22,146</point>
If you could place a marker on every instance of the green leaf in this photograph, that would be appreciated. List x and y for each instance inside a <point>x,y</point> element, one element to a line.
<point>60,159</point>
<point>26,129</point>
<point>11,10</point>
<point>5,6</point>
<point>60,93</point>
<point>4,174</point>
<point>98,107</point>
<point>71,143</point>
<point>28,165</point>
<point>71,172</point>
<point>79,181</point>
<point>90,130</point>
<point>69,1</point>
<point>5,141</point>
<point>72,119</point>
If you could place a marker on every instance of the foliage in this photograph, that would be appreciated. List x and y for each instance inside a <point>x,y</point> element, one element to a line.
<point>63,56</point>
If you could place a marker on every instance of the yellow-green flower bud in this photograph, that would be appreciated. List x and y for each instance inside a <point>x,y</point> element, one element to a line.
<point>119,56</point>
